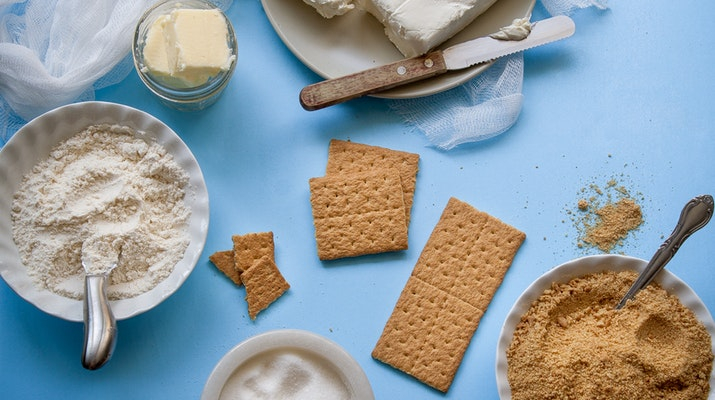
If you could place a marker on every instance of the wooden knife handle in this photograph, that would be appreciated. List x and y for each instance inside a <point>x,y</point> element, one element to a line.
<point>338,90</point>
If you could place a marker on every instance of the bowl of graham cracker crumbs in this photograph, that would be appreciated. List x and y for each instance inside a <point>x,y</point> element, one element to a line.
<point>563,337</point>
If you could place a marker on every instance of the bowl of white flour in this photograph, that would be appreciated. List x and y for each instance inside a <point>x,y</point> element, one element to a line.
<point>91,169</point>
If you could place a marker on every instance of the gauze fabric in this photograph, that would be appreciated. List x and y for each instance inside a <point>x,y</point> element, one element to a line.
<point>484,106</point>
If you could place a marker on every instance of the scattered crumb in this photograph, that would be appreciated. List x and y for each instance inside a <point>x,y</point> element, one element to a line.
<point>583,204</point>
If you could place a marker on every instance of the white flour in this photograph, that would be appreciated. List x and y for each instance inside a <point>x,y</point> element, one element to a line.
<point>102,185</point>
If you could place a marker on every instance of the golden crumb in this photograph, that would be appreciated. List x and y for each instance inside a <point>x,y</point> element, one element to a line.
<point>583,204</point>
<point>573,344</point>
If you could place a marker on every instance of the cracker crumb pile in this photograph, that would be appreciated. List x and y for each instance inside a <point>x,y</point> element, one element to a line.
<point>573,344</point>
<point>615,221</point>
<point>606,216</point>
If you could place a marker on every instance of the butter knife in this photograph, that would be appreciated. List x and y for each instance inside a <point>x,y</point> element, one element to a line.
<point>459,56</point>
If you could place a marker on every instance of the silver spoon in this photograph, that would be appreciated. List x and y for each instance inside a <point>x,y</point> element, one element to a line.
<point>695,215</point>
<point>100,326</point>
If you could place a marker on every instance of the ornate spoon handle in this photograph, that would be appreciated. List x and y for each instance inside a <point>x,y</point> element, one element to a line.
<point>695,215</point>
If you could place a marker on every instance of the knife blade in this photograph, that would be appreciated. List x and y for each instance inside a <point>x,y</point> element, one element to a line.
<point>337,90</point>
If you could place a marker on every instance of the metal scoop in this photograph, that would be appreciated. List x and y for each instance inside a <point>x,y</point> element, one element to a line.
<point>99,258</point>
<point>695,215</point>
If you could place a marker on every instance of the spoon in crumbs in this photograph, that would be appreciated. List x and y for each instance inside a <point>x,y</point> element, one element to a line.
<point>695,215</point>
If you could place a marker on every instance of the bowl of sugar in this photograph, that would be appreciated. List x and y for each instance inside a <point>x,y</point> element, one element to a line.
<point>287,363</point>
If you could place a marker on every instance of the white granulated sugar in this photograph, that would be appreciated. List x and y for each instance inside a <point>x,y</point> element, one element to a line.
<point>286,374</point>
<point>104,183</point>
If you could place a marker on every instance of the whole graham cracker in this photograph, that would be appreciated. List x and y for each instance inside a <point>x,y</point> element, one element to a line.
<point>251,247</point>
<point>224,261</point>
<point>349,157</point>
<point>357,214</point>
<point>264,284</point>
<point>454,280</point>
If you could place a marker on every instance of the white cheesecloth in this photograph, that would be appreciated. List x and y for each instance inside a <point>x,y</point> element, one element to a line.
<point>55,52</point>
<point>483,107</point>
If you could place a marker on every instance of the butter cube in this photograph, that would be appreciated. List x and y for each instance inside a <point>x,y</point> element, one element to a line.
<point>187,47</point>
<point>155,55</point>
<point>199,44</point>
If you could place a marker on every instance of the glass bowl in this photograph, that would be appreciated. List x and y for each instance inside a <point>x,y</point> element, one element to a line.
<point>173,92</point>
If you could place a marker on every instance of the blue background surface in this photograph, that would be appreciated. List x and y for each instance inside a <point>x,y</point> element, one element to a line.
<point>628,97</point>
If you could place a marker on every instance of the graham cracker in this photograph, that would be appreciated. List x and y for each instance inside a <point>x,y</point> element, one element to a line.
<point>224,261</point>
<point>251,247</point>
<point>358,214</point>
<point>427,334</point>
<point>350,157</point>
<point>468,253</point>
<point>264,284</point>
<point>454,280</point>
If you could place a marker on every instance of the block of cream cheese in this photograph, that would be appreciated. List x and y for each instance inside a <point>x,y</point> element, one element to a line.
<point>417,26</point>
<point>188,46</point>
<point>331,8</point>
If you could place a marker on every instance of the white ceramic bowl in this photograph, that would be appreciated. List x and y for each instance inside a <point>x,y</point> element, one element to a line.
<point>580,267</point>
<point>33,142</point>
<point>290,359</point>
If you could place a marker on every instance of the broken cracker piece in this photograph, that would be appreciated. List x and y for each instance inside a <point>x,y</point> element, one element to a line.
<point>358,214</point>
<point>264,284</point>
<point>346,156</point>
<point>224,261</point>
<point>251,247</point>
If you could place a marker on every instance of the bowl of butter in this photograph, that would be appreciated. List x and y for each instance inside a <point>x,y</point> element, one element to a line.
<point>185,52</point>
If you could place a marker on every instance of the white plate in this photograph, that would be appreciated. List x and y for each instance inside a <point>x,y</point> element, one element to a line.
<point>356,41</point>
<point>583,266</point>
<point>300,353</point>
<point>33,142</point>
